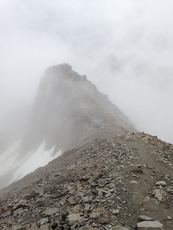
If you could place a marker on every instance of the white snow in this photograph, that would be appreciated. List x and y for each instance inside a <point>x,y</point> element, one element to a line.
<point>10,161</point>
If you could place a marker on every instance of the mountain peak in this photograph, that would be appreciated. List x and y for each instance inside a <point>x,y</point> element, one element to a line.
<point>67,113</point>
<point>63,71</point>
<point>68,110</point>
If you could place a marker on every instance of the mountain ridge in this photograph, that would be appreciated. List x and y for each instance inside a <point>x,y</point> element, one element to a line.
<point>108,176</point>
<point>68,111</point>
<point>70,102</point>
<point>119,183</point>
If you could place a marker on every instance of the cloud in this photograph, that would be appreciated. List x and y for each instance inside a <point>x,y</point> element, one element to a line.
<point>125,47</point>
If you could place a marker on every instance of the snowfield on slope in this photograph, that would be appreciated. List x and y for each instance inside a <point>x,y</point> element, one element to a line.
<point>13,167</point>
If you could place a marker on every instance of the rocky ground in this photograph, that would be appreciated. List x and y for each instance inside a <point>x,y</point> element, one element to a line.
<point>120,183</point>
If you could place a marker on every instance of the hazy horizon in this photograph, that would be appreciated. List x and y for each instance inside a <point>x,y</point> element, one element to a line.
<point>125,48</point>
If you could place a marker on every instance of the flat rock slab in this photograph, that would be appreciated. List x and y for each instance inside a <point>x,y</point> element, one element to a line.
<point>149,225</point>
<point>74,218</point>
<point>144,218</point>
<point>51,211</point>
<point>118,227</point>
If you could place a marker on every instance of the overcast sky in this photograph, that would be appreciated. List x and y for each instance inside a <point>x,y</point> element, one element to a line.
<point>125,47</point>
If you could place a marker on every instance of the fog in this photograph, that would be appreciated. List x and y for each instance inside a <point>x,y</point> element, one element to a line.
<point>124,47</point>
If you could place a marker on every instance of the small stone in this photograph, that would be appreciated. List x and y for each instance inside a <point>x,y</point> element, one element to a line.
<point>158,194</point>
<point>169,218</point>
<point>144,218</point>
<point>116,212</point>
<point>43,221</point>
<point>93,185</point>
<point>161,183</point>
<point>75,210</point>
<point>150,225</point>
<point>111,190</point>
<point>133,182</point>
<point>104,219</point>
<point>94,215</point>
<point>87,207</point>
<point>84,179</point>
<point>44,227</point>
<point>51,211</point>
<point>72,201</point>
<point>118,227</point>
<point>87,199</point>
<point>71,219</point>
<point>135,168</point>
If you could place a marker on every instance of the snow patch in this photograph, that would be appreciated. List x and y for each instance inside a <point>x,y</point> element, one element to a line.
<point>13,167</point>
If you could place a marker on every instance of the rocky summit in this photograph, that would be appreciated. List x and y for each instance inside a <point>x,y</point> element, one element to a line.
<point>69,111</point>
<point>109,177</point>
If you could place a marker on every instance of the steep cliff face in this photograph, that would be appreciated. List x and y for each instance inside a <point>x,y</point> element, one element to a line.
<point>69,110</point>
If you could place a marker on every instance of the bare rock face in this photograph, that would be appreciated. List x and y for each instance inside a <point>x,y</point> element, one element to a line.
<point>69,111</point>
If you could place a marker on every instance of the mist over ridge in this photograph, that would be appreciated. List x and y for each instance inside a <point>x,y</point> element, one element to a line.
<point>68,112</point>
<point>125,48</point>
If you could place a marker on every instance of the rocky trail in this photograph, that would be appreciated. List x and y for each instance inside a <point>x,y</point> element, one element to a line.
<point>119,183</point>
<point>109,177</point>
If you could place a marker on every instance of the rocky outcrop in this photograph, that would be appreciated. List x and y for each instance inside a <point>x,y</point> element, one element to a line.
<point>69,111</point>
